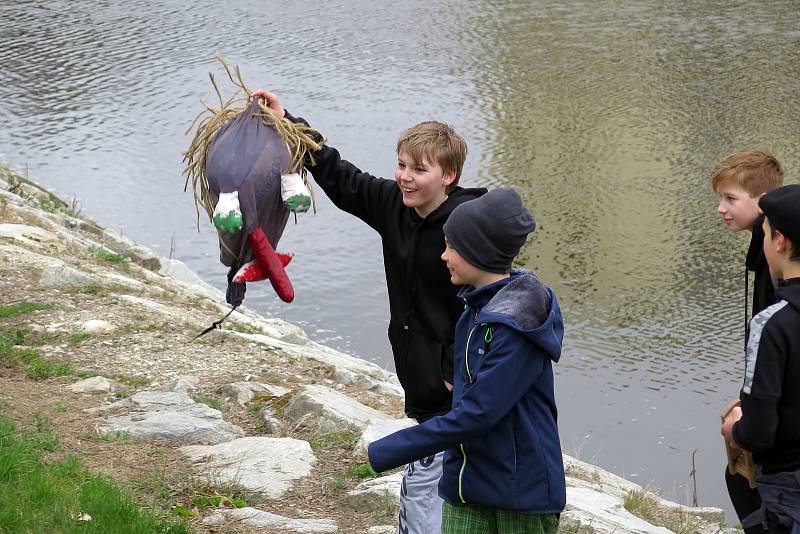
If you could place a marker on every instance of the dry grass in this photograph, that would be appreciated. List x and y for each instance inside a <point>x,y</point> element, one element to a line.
<point>645,505</point>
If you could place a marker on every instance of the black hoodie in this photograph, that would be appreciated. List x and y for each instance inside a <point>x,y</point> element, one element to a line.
<point>763,287</point>
<point>770,425</point>
<point>423,304</point>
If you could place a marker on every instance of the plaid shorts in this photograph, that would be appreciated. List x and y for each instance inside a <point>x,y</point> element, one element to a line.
<point>471,519</point>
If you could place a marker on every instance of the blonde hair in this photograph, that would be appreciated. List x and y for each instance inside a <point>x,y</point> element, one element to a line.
<point>435,141</point>
<point>757,171</point>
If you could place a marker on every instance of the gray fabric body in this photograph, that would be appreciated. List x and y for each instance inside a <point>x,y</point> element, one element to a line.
<point>489,231</point>
<point>249,157</point>
<point>420,504</point>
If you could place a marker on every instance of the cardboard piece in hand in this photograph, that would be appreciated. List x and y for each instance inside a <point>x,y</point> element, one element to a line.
<point>740,461</point>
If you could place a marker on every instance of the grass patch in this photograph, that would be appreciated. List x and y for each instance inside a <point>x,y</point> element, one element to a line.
<point>254,407</point>
<point>184,495</point>
<point>133,381</point>
<point>21,308</point>
<point>644,504</point>
<point>332,445</point>
<point>50,497</point>
<point>361,470</point>
<point>79,338</point>
<point>211,402</point>
<point>36,367</point>
<point>102,253</point>
<point>42,436</point>
<point>118,436</point>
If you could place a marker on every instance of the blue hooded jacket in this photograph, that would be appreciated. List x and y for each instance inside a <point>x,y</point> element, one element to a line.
<point>501,436</point>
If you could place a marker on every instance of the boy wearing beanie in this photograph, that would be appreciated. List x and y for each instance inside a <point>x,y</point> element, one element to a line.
<point>503,471</point>
<point>768,421</point>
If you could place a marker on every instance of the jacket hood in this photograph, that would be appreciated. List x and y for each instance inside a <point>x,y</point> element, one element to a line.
<point>457,196</point>
<point>789,290</point>
<point>523,303</point>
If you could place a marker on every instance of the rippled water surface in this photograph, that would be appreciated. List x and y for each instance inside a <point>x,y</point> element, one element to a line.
<point>608,118</point>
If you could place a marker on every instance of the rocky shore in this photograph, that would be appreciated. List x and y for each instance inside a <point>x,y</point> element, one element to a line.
<point>251,428</point>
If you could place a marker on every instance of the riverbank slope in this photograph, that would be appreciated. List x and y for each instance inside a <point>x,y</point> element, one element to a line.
<point>251,428</point>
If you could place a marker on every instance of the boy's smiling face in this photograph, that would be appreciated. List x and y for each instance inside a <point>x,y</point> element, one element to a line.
<point>738,209</point>
<point>423,184</point>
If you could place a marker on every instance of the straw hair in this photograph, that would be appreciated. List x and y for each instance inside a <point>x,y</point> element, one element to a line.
<point>298,137</point>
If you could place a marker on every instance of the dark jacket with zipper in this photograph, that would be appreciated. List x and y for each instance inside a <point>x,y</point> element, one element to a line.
<point>423,304</point>
<point>503,449</point>
<point>770,425</point>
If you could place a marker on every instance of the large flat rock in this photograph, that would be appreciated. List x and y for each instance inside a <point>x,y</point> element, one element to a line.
<point>332,410</point>
<point>259,518</point>
<point>266,465</point>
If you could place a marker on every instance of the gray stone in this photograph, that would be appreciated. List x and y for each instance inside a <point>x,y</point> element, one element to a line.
<point>366,382</point>
<point>259,518</point>
<point>182,384</point>
<point>59,275</point>
<point>196,423</point>
<point>244,392</point>
<point>379,428</point>
<point>28,235</point>
<point>599,513</point>
<point>147,400</point>
<point>95,384</point>
<point>593,477</point>
<point>271,423</point>
<point>97,326</point>
<point>382,529</point>
<point>266,465</point>
<point>331,409</point>
<point>376,494</point>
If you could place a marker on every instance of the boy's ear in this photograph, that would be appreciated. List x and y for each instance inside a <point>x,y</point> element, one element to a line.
<point>448,178</point>
<point>757,206</point>
<point>780,241</point>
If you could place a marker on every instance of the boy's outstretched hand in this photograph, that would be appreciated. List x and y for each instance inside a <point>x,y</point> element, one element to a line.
<point>272,100</point>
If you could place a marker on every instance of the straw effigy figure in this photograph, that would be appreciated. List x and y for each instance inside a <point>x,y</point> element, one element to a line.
<point>246,169</point>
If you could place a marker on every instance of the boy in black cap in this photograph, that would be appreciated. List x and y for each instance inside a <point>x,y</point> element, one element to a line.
<point>503,471</point>
<point>768,422</point>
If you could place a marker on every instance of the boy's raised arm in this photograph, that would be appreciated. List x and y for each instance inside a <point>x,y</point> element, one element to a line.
<point>350,189</point>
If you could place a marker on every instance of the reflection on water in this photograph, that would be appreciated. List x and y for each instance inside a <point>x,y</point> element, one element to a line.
<point>607,118</point>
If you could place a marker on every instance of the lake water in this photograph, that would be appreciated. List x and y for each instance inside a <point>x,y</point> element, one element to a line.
<point>608,118</point>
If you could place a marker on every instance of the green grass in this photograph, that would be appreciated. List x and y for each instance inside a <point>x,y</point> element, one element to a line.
<point>79,338</point>
<point>211,402</point>
<point>49,497</point>
<point>133,381</point>
<point>20,308</point>
<point>361,470</point>
<point>36,367</point>
<point>102,253</point>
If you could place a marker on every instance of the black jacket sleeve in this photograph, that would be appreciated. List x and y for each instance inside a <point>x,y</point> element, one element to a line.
<point>756,430</point>
<point>350,189</point>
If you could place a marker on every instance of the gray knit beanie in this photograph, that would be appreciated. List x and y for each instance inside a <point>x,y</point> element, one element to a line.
<point>489,231</point>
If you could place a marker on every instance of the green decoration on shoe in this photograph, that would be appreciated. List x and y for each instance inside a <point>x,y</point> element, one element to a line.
<point>232,222</point>
<point>298,203</point>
